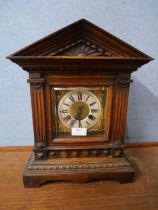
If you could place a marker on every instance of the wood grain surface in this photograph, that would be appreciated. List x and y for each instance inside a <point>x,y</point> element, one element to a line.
<point>142,194</point>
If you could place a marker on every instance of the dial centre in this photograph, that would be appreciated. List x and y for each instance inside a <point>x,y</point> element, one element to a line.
<point>79,110</point>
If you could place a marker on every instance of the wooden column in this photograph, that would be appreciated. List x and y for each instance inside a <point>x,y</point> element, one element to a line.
<point>119,110</point>
<point>38,111</point>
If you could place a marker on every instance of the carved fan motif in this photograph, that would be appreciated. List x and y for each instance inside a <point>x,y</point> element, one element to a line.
<point>81,48</point>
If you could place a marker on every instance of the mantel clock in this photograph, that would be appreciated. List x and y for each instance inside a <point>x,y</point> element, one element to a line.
<point>79,79</point>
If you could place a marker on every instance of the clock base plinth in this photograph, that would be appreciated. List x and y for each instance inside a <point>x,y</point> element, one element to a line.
<point>38,172</point>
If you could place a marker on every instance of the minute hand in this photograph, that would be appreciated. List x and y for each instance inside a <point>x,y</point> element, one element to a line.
<point>78,117</point>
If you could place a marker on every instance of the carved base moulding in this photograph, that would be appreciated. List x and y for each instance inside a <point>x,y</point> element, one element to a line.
<point>38,172</point>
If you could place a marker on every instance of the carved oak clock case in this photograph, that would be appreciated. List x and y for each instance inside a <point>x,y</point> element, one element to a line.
<point>79,79</point>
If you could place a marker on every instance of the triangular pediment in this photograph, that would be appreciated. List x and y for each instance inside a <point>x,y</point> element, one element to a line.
<point>80,36</point>
<point>80,40</point>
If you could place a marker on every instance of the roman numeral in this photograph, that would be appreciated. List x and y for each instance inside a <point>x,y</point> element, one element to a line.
<point>66,104</point>
<point>87,98</point>
<point>72,123</point>
<point>94,110</point>
<point>92,103</point>
<point>64,111</point>
<point>87,123</point>
<point>72,98</point>
<point>79,95</point>
<point>67,118</point>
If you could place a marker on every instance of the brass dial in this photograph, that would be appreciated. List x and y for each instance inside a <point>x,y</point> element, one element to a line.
<point>79,109</point>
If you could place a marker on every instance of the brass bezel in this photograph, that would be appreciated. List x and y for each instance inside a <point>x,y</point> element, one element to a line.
<point>98,129</point>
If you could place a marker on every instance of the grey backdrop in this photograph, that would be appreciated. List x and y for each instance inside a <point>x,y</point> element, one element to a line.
<point>23,22</point>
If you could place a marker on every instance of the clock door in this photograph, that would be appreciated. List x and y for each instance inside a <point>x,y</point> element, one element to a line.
<point>78,114</point>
